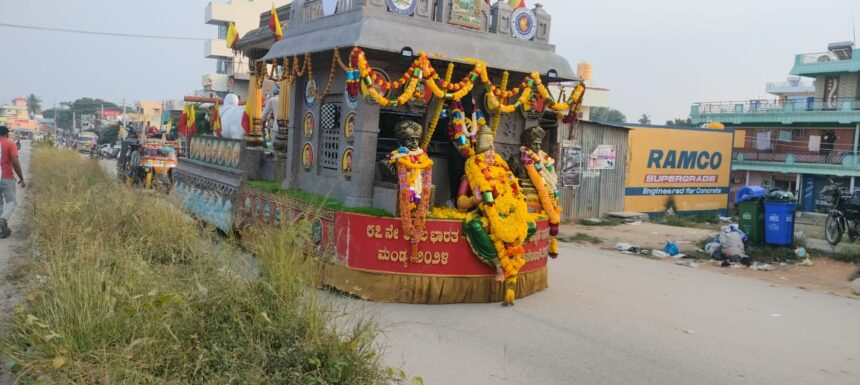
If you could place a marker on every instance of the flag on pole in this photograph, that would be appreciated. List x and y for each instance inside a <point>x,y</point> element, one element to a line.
<point>192,121</point>
<point>517,3</point>
<point>232,35</point>
<point>216,120</point>
<point>275,24</point>
<point>182,126</point>
<point>252,108</point>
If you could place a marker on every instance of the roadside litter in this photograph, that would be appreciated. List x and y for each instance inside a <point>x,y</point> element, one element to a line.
<point>761,267</point>
<point>627,248</point>
<point>659,254</point>
<point>800,252</point>
<point>671,248</point>
<point>728,247</point>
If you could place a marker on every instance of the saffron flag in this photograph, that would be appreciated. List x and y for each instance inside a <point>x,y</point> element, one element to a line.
<point>246,118</point>
<point>250,106</point>
<point>182,126</point>
<point>275,24</point>
<point>191,128</point>
<point>517,3</point>
<point>232,35</point>
<point>216,120</point>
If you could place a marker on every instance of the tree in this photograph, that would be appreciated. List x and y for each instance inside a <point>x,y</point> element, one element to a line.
<point>645,119</point>
<point>108,134</point>
<point>680,122</point>
<point>34,105</point>
<point>82,106</point>
<point>608,115</point>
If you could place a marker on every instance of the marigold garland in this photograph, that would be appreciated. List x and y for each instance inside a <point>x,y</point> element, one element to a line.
<point>445,89</point>
<point>505,209</point>
<point>440,105</point>
<point>414,171</point>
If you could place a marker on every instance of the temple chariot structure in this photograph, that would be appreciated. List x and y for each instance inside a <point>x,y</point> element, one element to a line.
<point>417,138</point>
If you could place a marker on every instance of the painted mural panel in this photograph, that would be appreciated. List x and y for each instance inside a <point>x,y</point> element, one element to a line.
<point>209,201</point>
<point>216,150</point>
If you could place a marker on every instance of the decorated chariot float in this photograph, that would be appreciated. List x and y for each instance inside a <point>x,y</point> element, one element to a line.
<point>414,138</point>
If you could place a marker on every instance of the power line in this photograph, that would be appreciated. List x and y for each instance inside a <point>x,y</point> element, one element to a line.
<point>114,34</point>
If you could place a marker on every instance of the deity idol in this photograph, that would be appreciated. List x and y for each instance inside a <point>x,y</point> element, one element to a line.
<point>500,223</point>
<point>539,181</point>
<point>414,173</point>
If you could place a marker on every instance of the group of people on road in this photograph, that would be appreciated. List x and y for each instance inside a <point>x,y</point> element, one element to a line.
<point>8,164</point>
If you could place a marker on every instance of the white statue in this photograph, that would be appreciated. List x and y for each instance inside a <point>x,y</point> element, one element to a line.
<point>231,118</point>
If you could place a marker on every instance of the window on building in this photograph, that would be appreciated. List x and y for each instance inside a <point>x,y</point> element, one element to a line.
<point>224,66</point>
<point>330,136</point>
<point>799,133</point>
<point>222,31</point>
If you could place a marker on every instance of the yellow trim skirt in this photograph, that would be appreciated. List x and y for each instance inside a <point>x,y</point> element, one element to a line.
<point>427,289</point>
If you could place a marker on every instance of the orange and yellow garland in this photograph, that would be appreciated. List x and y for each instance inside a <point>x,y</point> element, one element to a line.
<point>505,211</point>
<point>422,71</point>
<point>549,203</point>
<point>361,75</point>
<point>414,174</point>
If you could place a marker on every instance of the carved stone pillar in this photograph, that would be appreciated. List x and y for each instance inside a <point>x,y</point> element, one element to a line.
<point>501,18</point>
<point>280,142</point>
<point>424,9</point>
<point>544,21</point>
<point>364,156</point>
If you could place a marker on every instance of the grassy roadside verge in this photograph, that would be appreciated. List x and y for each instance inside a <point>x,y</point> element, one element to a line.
<point>125,289</point>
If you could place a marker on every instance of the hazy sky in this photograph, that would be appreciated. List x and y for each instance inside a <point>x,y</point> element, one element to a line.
<point>656,56</point>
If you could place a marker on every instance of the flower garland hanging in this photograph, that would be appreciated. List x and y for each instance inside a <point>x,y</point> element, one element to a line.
<point>541,171</point>
<point>463,132</point>
<point>360,77</point>
<point>415,179</point>
<point>440,105</point>
<point>505,210</point>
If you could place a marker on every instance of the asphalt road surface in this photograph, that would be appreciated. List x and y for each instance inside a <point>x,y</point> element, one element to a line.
<point>610,318</point>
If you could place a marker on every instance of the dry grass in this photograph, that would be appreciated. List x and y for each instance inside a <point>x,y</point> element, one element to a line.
<point>127,290</point>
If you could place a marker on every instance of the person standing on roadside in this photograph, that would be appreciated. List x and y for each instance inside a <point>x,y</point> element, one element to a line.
<point>8,163</point>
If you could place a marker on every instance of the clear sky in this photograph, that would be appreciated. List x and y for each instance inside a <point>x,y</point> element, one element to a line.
<point>656,56</point>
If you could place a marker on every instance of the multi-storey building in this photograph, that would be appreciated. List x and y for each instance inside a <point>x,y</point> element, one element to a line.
<point>231,68</point>
<point>806,138</point>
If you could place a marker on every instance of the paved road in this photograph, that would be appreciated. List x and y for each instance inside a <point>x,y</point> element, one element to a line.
<point>610,318</point>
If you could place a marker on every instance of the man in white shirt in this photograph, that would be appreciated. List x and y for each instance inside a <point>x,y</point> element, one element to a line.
<point>270,118</point>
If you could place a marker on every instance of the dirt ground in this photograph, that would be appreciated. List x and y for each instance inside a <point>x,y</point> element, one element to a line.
<point>825,276</point>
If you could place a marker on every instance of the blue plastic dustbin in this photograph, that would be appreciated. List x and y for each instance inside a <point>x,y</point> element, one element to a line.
<point>779,222</point>
<point>748,193</point>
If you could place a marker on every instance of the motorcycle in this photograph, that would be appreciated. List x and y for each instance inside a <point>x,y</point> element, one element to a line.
<point>844,217</point>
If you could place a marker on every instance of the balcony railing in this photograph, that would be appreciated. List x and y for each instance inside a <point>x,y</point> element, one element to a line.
<point>837,159</point>
<point>820,63</point>
<point>761,106</point>
<point>818,57</point>
<point>790,87</point>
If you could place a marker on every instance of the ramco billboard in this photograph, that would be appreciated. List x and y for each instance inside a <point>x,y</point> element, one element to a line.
<point>683,169</point>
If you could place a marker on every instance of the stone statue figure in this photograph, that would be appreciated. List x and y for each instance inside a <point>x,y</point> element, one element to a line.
<point>231,118</point>
<point>408,134</point>
<point>530,151</point>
